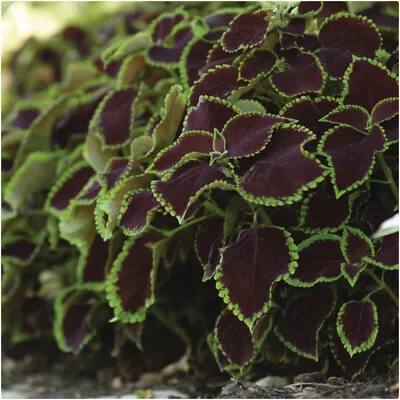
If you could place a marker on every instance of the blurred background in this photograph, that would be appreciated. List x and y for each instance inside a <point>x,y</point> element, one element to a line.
<point>41,19</point>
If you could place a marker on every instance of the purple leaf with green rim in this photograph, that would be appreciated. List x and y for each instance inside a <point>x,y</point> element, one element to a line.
<point>245,31</point>
<point>356,245</point>
<point>209,114</point>
<point>116,169</point>
<point>324,268</point>
<point>171,54</point>
<point>208,241</point>
<point>137,209</point>
<point>93,261</point>
<point>75,121</point>
<point>357,325</point>
<point>247,134</point>
<point>367,83</point>
<point>308,112</point>
<point>71,188</point>
<point>314,215</point>
<point>234,339</point>
<point>218,82</point>
<point>388,255</point>
<point>352,272</point>
<point>295,27</point>
<point>304,75</point>
<point>258,258</point>
<point>352,365</point>
<point>283,169</point>
<point>353,116</point>
<point>92,191</point>
<point>391,128</point>
<point>307,7</point>
<point>196,59</point>
<point>130,284</point>
<point>259,62</point>
<point>116,117</point>
<point>351,155</point>
<point>185,183</point>
<point>287,41</point>
<point>345,35</point>
<point>20,249</point>
<point>164,26</point>
<point>309,310</point>
<point>385,110</point>
<point>220,19</point>
<point>188,145</point>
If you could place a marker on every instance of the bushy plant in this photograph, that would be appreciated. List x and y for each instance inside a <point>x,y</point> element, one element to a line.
<point>220,170</point>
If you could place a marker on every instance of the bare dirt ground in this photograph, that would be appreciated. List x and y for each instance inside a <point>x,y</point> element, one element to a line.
<point>35,376</point>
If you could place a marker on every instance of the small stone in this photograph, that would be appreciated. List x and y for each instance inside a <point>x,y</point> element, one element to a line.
<point>12,394</point>
<point>116,383</point>
<point>309,377</point>
<point>270,382</point>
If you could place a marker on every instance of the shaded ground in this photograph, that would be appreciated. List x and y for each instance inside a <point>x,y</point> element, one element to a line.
<point>34,376</point>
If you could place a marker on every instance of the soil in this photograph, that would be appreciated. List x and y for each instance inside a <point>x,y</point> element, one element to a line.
<point>39,375</point>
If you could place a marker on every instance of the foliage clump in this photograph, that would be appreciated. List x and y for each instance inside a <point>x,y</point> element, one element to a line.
<point>220,172</point>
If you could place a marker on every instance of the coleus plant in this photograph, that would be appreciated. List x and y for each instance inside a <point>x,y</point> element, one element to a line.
<point>255,146</point>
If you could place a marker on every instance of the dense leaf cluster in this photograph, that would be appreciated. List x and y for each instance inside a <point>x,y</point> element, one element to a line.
<point>256,145</point>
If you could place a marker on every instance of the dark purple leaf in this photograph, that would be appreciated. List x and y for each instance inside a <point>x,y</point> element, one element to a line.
<point>352,271</point>
<point>382,19</point>
<point>220,19</point>
<point>21,249</point>
<point>78,37</point>
<point>304,75</point>
<point>93,269</point>
<point>352,365</point>
<point>209,114</point>
<point>92,192</point>
<point>252,264</point>
<point>357,325</point>
<point>315,215</point>
<point>282,169</point>
<point>295,27</point>
<point>356,246</point>
<point>306,7</point>
<point>24,118</point>
<point>171,54</point>
<point>245,31</point>
<point>258,62</point>
<point>391,128</point>
<point>234,339</point>
<point>388,255</point>
<point>191,142</point>
<point>53,59</point>
<point>308,42</point>
<point>196,59</point>
<point>351,154</point>
<point>344,35</point>
<point>354,116</point>
<point>134,281</point>
<point>76,120</point>
<point>309,310</point>
<point>111,69</point>
<point>218,82</point>
<point>165,25</point>
<point>331,7</point>
<point>116,168</point>
<point>137,209</point>
<point>75,327</point>
<point>209,239</point>
<point>369,83</point>
<point>310,111</point>
<point>185,183</point>
<point>115,118</point>
<point>287,41</point>
<point>319,261</point>
<point>247,134</point>
<point>71,188</point>
<point>218,56</point>
<point>384,110</point>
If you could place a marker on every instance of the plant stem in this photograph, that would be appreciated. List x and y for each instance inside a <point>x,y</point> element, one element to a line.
<point>388,174</point>
<point>190,223</point>
<point>383,285</point>
<point>211,206</point>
